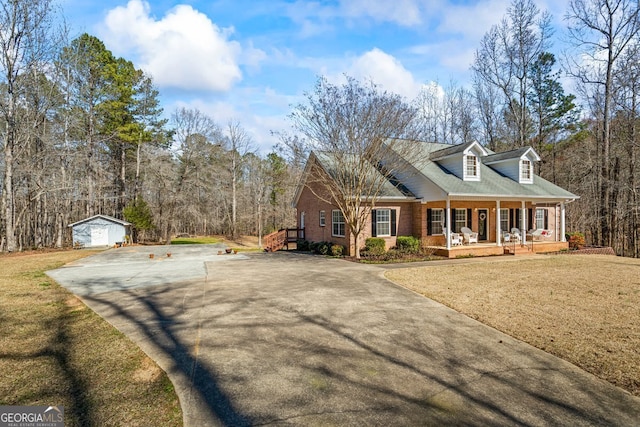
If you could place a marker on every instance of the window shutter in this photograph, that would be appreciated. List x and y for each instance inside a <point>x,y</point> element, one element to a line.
<point>374,232</point>
<point>530,223</point>
<point>454,224</point>
<point>546,219</point>
<point>393,222</point>
<point>469,222</point>
<point>429,222</point>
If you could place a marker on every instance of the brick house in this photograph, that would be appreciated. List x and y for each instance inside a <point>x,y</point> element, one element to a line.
<point>464,185</point>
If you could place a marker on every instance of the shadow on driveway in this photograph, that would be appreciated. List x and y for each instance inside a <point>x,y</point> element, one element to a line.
<point>290,339</point>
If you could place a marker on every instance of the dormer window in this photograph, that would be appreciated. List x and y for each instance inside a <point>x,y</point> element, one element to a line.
<point>471,168</point>
<point>526,173</point>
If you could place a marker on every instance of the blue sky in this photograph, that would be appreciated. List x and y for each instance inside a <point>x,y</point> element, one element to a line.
<point>250,61</point>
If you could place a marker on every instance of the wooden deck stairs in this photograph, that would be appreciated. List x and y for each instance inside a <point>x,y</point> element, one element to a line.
<point>518,249</point>
<point>282,239</point>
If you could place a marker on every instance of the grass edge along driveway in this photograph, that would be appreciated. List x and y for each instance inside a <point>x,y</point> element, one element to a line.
<point>54,350</point>
<point>582,308</point>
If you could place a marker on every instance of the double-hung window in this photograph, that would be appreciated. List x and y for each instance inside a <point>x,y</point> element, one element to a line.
<point>437,220</point>
<point>540,219</point>
<point>504,219</point>
<point>383,222</point>
<point>460,219</point>
<point>525,171</point>
<point>471,170</point>
<point>323,220</point>
<point>337,224</point>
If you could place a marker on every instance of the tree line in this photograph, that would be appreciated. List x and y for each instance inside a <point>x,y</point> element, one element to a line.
<point>83,131</point>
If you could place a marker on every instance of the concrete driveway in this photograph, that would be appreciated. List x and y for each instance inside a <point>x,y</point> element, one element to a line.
<point>293,339</point>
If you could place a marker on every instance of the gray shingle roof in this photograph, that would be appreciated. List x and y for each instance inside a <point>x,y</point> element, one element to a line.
<point>448,150</point>
<point>505,155</point>
<point>492,183</point>
<point>391,188</point>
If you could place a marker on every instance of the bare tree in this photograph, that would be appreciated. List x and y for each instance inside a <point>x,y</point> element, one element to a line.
<point>238,145</point>
<point>351,129</point>
<point>488,106</point>
<point>194,133</point>
<point>601,31</point>
<point>25,45</point>
<point>507,53</point>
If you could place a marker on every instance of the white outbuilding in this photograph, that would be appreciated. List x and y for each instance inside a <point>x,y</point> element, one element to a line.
<point>99,230</point>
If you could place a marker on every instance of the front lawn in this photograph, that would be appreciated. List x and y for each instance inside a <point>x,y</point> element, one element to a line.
<point>55,351</point>
<point>582,308</point>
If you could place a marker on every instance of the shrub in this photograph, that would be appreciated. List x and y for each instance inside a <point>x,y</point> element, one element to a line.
<point>576,240</point>
<point>321,248</point>
<point>303,245</point>
<point>428,245</point>
<point>375,246</point>
<point>408,244</point>
<point>337,250</point>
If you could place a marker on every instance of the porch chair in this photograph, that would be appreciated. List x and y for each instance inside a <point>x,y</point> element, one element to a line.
<point>540,233</point>
<point>456,238</point>
<point>469,235</point>
<point>515,234</point>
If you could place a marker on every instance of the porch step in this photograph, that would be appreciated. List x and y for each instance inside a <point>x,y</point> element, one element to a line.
<point>517,250</point>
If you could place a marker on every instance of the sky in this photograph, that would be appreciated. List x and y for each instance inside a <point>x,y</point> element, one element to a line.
<point>252,61</point>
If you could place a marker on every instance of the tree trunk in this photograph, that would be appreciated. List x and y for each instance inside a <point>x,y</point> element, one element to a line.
<point>8,196</point>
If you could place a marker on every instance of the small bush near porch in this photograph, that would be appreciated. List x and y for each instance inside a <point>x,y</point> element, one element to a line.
<point>582,308</point>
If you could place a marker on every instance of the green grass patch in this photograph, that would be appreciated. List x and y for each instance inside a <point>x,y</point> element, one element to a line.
<point>204,240</point>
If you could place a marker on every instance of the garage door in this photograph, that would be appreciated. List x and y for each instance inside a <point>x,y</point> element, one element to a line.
<point>99,236</point>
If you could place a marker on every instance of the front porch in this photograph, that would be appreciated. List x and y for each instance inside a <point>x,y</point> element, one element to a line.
<point>491,249</point>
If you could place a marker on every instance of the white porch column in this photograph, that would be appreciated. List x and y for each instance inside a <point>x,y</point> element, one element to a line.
<point>498,230</point>
<point>562,224</point>
<point>523,223</point>
<point>448,222</point>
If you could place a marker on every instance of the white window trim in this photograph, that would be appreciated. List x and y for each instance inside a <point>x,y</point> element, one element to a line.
<point>334,223</point>
<point>323,219</point>
<point>441,221</point>
<point>466,175</point>
<point>541,218</point>
<point>378,222</point>
<point>522,169</point>
<point>457,222</point>
<point>504,217</point>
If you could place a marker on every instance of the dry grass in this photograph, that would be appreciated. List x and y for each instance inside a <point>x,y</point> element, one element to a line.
<point>582,308</point>
<point>56,351</point>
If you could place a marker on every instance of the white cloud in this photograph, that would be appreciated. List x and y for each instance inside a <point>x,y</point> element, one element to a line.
<point>386,71</point>
<point>473,20</point>
<point>259,112</point>
<point>183,50</point>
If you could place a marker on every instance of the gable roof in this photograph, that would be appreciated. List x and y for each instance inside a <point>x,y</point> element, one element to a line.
<point>105,217</point>
<point>493,185</point>
<point>452,150</point>
<point>510,155</point>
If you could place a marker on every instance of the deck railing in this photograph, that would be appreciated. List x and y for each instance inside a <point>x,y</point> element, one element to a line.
<point>281,238</point>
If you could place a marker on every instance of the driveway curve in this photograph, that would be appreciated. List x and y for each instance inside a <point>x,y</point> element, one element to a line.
<point>294,339</point>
